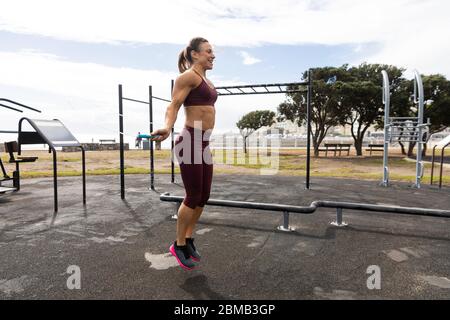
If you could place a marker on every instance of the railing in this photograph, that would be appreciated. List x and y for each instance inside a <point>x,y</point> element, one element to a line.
<point>441,163</point>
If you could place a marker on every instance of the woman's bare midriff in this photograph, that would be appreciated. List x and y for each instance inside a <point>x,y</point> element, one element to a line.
<point>200,117</point>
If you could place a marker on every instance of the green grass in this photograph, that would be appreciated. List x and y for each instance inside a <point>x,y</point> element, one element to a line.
<point>288,164</point>
<point>341,173</point>
<point>96,172</point>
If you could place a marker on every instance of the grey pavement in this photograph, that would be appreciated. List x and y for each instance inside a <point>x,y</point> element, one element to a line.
<point>121,247</point>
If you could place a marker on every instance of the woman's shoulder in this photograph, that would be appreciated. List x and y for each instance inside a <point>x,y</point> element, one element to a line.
<point>189,78</point>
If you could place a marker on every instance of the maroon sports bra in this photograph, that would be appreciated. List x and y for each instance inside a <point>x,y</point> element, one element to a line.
<point>203,95</point>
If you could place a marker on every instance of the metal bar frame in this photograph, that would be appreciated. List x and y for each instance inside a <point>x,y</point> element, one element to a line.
<point>386,102</point>
<point>339,205</point>
<point>308,89</point>
<point>442,164</point>
<point>18,104</point>
<point>411,131</point>
<point>419,100</point>
<point>121,139</point>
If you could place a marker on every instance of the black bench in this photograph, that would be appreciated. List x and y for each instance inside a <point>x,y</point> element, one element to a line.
<point>335,147</point>
<point>375,147</point>
<point>12,147</point>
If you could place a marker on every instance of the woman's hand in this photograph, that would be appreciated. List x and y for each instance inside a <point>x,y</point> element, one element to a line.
<point>163,134</point>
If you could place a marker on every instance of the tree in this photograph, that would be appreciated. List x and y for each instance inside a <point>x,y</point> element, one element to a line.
<point>437,95</point>
<point>324,108</point>
<point>253,121</point>
<point>360,98</point>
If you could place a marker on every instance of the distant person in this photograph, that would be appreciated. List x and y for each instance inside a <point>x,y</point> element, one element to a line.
<point>198,95</point>
<point>138,141</point>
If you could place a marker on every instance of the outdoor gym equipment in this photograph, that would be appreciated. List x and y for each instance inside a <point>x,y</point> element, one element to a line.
<point>405,129</point>
<point>338,205</point>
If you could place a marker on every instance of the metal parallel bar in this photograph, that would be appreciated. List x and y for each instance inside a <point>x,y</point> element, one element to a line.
<point>8,131</point>
<point>122,157</point>
<point>384,208</point>
<point>19,104</point>
<point>245,205</point>
<point>317,204</point>
<point>8,107</point>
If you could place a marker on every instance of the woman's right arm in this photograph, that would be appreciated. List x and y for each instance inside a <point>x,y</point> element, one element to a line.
<point>183,85</point>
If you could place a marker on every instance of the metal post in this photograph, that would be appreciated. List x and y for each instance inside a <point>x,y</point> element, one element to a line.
<point>339,222</point>
<point>308,128</point>
<point>285,227</point>
<point>122,158</point>
<point>418,84</point>
<point>83,159</point>
<point>432,164</point>
<point>55,181</point>
<point>175,216</point>
<point>16,177</point>
<point>152,155</point>
<point>386,101</point>
<point>172,145</point>
<point>442,164</point>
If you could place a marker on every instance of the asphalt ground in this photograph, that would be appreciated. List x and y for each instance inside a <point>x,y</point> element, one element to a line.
<point>118,249</point>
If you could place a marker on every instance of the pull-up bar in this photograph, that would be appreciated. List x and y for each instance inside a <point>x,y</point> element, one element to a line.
<point>253,87</point>
<point>307,86</point>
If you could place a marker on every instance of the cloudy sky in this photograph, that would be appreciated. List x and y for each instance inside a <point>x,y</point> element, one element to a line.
<point>68,57</point>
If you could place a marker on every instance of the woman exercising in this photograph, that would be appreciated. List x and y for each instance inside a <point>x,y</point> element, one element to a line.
<point>192,145</point>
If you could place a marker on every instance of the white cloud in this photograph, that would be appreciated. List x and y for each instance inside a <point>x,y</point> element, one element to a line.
<point>248,59</point>
<point>84,96</point>
<point>410,32</point>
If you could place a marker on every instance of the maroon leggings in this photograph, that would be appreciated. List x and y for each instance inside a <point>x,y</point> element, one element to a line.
<point>195,160</point>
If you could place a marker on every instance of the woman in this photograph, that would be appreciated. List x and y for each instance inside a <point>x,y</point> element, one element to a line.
<point>198,96</point>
